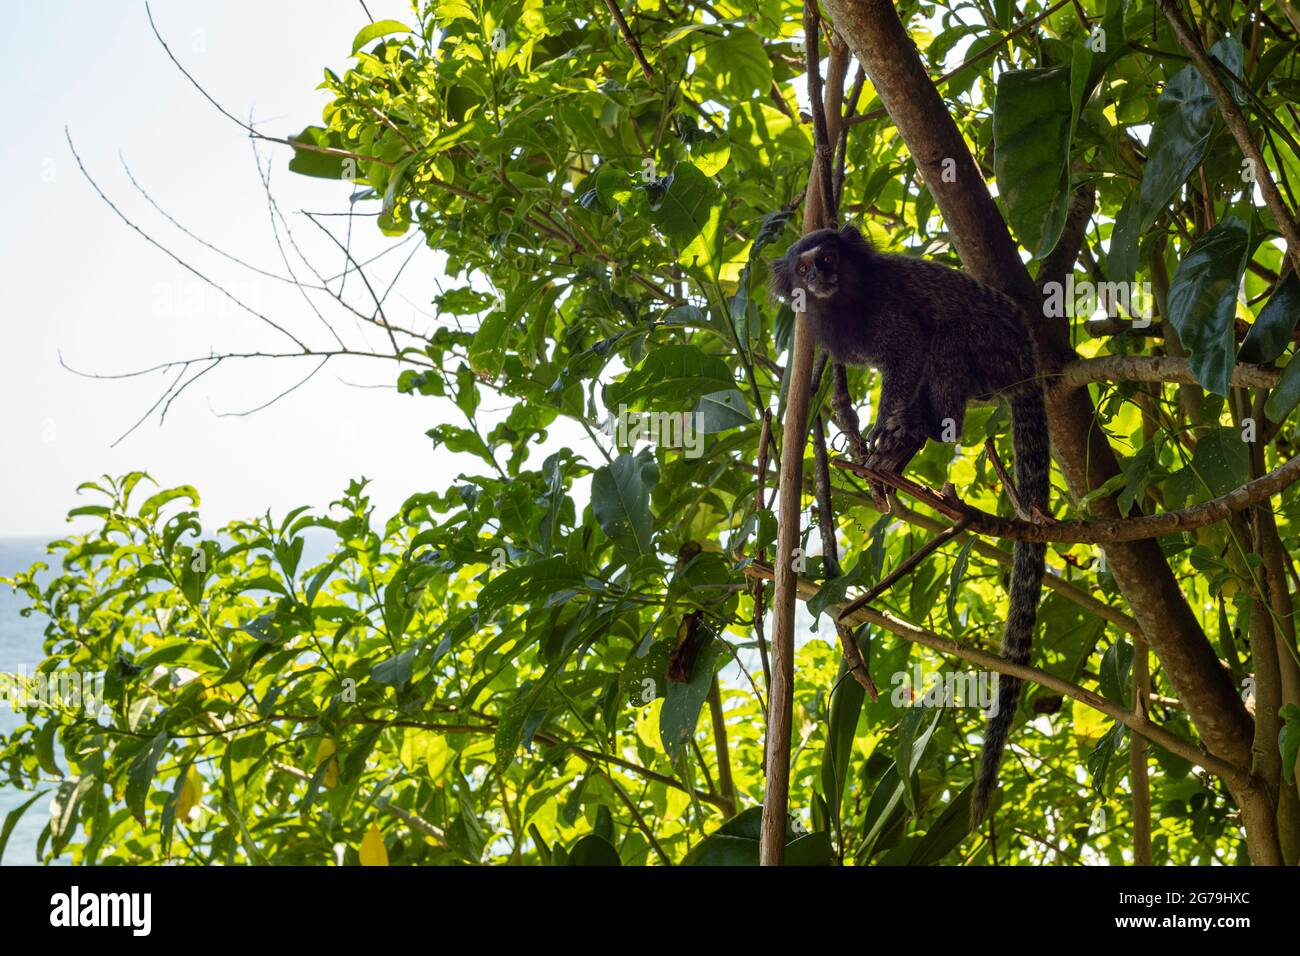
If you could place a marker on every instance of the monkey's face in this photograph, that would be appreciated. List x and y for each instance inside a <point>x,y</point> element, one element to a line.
<point>817,270</point>
<point>814,263</point>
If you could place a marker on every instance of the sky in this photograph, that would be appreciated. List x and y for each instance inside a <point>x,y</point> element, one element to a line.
<point>79,282</point>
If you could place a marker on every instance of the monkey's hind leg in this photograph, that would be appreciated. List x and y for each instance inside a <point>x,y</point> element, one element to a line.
<point>891,455</point>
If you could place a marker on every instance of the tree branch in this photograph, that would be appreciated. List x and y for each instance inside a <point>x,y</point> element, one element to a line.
<point>780,698</point>
<point>1156,368</point>
<point>1135,722</point>
<point>1097,531</point>
<point>629,39</point>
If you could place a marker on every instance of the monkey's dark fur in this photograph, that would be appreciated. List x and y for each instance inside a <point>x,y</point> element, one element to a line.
<point>940,339</point>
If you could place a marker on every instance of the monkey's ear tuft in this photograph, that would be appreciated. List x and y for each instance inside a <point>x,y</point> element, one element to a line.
<point>852,236</point>
<point>782,284</point>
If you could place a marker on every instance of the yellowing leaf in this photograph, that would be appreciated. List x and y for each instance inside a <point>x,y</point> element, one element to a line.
<point>647,724</point>
<point>329,751</point>
<point>1089,724</point>
<point>424,747</point>
<point>372,847</point>
<point>191,791</point>
<point>678,801</point>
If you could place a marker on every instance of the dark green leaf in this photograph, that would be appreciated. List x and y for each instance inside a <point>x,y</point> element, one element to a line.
<point>1286,394</point>
<point>592,850</point>
<point>946,833</point>
<point>1271,333</point>
<point>621,502</point>
<point>1185,117</point>
<point>1031,131</point>
<point>681,710</point>
<point>140,774</point>
<point>1203,301</point>
<point>12,818</point>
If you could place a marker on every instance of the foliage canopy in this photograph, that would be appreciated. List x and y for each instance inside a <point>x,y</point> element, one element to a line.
<point>483,676</point>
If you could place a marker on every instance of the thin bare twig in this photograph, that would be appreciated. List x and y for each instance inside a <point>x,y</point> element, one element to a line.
<point>171,255</point>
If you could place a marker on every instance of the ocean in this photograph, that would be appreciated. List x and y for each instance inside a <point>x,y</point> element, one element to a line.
<point>20,652</point>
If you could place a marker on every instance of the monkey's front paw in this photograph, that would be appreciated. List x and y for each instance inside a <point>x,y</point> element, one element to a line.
<point>856,446</point>
<point>891,431</point>
<point>872,438</point>
<point>1039,517</point>
<point>880,437</point>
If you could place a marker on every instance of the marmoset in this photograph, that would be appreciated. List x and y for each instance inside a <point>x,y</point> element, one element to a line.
<point>940,339</point>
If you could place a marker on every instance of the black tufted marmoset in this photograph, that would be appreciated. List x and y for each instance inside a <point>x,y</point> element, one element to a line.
<point>940,339</point>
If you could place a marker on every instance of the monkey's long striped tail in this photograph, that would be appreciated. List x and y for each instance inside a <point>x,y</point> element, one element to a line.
<point>1029,560</point>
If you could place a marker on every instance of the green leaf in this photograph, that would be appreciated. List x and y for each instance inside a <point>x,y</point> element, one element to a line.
<point>1122,256</point>
<point>681,202</point>
<point>846,705</point>
<point>811,849</point>
<point>735,843</point>
<point>593,850</point>
<point>140,774</point>
<point>721,411</point>
<point>1088,65</point>
<point>396,671</point>
<point>883,809</point>
<point>1099,760</point>
<point>154,503</point>
<point>720,849</point>
<point>736,64</point>
<point>448,10</point>
<point>946,833</point>
<point>832,592</point>
<point>236,819</point>
<point>542,581</point>
<point>1286,394</point>
<point>461,440</point>
<point>620,501</point>
<point>380,28</point>
<point>312,162</point>
<point>1137,475</point>
<point>12,818</point>
<point>955,578</point>
<point>44,743</point>
<point>63,809</point>
<point>1185,117</point>
<point>681,709</point>
<point>1203,301</point>
<point>911,747</point>
<point>1032,116</point>
<point>670,377</point>
<point>1115,665</point>
<point>1271,333</point>
<point>1221,461</point>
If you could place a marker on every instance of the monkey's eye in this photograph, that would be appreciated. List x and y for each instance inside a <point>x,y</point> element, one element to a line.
<point>803,269</point>
<point>827,261</point>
